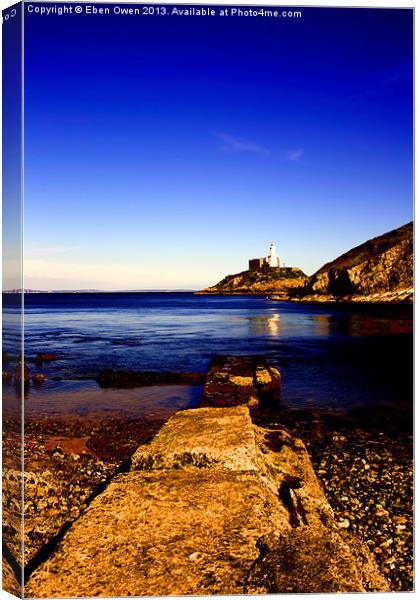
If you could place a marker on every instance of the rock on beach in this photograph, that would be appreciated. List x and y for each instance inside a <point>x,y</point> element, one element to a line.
<point>207,505</point>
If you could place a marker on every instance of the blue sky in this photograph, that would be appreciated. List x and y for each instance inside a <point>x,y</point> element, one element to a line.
<point>163,152</point>
<point>12,151</point>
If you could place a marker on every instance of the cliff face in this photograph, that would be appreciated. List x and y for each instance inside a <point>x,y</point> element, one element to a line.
<point>276,281</point>
<point>381,268</point>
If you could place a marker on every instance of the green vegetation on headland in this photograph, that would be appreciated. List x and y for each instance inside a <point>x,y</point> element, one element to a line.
<point>379,270</point>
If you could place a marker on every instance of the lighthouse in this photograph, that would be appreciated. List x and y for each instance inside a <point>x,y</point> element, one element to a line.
<point>272,259</point>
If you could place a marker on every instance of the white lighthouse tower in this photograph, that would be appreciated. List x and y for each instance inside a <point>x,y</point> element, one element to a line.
<point>272,259</point>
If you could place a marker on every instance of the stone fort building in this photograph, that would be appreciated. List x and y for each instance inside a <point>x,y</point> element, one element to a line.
<point>272,261</point>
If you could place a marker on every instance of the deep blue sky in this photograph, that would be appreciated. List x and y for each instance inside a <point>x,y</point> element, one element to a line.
<point>163,152</point>
<point>12,148</point>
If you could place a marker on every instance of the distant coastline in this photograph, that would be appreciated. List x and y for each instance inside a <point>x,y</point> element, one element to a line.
<point>93,291</point>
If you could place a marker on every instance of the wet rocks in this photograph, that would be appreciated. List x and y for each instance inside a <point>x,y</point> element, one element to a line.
<point>45,357</point>
<point>267,382</point>
<point>22,373</point>
<point>125,342</point>
<point>113,378</point>
<point>398,296</point>
<point>235,380</point>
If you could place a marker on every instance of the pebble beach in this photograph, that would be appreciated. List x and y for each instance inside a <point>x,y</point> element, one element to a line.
<point>365,465</point>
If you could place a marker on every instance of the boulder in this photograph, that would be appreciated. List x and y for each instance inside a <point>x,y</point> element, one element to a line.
<point>235,380</point>
<point>45,357</point>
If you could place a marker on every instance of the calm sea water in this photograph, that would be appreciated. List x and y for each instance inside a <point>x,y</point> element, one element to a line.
<point>329,356</point>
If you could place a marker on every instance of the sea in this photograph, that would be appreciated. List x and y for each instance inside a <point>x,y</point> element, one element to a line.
<point>331,357</point>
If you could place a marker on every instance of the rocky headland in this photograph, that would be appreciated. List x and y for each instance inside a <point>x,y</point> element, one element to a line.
<point>283,280</point>
<point>379,270</point>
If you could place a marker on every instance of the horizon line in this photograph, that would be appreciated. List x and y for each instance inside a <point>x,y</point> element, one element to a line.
<point>99,291</point>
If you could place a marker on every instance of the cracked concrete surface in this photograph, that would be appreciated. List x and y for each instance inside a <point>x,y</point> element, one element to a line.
<point>213,505</point>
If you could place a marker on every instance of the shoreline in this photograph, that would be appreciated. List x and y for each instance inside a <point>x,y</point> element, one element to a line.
<point>319,300</point>
<point>310,299</point>
<point>68,459</point>
<point>76,442</point>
